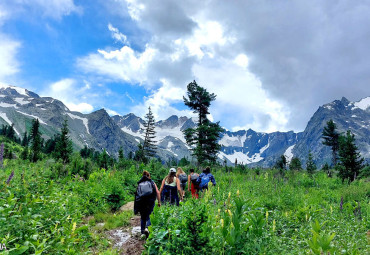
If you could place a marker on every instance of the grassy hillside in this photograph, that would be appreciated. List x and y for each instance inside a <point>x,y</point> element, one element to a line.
<point>44,209</point>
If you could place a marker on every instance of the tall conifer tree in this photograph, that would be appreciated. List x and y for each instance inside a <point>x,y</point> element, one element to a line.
<point>331,137</point>
<point>149,146</point>
<point>310,166</point>
<point>63,146</point>
<point>204,137</point>
<point>36,141</point>
<point>350,158</point>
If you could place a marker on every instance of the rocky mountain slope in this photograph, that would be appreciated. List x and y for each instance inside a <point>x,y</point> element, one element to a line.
<point>99,130</point>
<point>354,116</point>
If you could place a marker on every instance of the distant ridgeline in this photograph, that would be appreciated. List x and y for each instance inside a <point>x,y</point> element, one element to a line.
<point>98,130</point>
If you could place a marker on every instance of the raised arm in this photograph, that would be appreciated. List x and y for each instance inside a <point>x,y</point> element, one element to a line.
<point>160,190</point>
<point>179,188</point>
<point>189,184</point>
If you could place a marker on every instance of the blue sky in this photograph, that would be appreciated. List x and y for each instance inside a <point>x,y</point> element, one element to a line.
<point>271,64</point>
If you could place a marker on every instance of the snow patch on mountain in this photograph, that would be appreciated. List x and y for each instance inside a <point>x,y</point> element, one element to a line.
<point>21,100</point>
<point>130,132</point>
<point>235,141</point>
<point>363,104</point>
<point>289,154</point>
<point>241,157</point>
<point>2,104</point>
<point>19,90</point>
<point>84,120</point>
<point>161,133</point>
<point>34,117</point>
<point>264,148</point>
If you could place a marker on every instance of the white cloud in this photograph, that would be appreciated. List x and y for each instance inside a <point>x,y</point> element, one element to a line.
<point>117,35</point>
<point>68,91</point>
<point>124,64</point>
<point>160,102</point>
<point>9,65</point>
<point>112,112</point>
<point>264,62</point>
<point>55,9</point>
<point>81,107</point>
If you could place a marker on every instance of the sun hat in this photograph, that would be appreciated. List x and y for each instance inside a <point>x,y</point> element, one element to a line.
<point>172,170</point>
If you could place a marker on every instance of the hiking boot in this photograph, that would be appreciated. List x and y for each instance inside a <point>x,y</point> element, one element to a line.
<point>146,232</point>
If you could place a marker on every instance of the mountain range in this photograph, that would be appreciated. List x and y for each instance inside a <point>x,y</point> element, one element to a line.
<point>98,130</point>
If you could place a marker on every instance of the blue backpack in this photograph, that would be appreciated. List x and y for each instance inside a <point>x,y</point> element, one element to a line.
<point>204,181</point>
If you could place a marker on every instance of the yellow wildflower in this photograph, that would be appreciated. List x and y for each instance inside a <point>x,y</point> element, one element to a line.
<point>267,215</point>
<point>222,222</point>
<point>237,192</point>
<point>273,225</point>
<point>74,227</point>
<point>331,209</point>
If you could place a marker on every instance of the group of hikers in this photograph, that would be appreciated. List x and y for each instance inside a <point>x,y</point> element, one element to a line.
<point>172,191</point>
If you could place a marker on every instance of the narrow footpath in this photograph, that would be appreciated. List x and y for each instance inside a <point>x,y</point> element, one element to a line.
<point>127,239</point>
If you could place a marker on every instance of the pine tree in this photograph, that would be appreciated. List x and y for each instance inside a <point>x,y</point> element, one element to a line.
<point>25,139</point>
<point>120,154</point>
<point>331,137</point>
<point>36,141</point>
<point>24,153</point>
<point>295,164</point>
<point>139,154</point>
<point>204,138</point>
<point>63,146</point>
<point>350,158</point>
<point>310,166</point>
<point>281,163</point>
<point>149,146</point>
<point>104,159</point>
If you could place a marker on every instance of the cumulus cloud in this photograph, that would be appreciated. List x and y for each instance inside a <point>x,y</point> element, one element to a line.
<point>9,64</point>
<point>271,64</point>
<point>70,93</point>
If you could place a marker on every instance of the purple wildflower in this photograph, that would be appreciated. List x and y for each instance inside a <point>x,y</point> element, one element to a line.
<point>341,203</point>
<point>10,177</point>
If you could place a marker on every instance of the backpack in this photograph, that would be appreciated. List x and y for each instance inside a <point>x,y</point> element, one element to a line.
<point>144,190</point>
<point>204,180</point>
<point>193,178</point>
<point>183,178</point>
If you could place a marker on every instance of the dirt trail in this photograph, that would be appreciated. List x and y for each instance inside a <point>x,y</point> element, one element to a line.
<point>127,239</point>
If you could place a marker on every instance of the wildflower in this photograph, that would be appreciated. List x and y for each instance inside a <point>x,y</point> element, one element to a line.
<point>267,215</point>
<point>74,227</point>
<point>10,177</point>
<point>341,203</point>
<point>273,225</point>
<point>219,210</point>
<point>237,192</point>
<point>229,212</point>
<point>222,222</point>
<point>229,194</point>
<point>331,209</point>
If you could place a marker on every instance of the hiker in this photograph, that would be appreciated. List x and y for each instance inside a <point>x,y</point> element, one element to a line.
<point>193,186</point>
<point>145,196</point>
<point>204,178</point>
<point>181,175</point>
<point>169,188</point>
